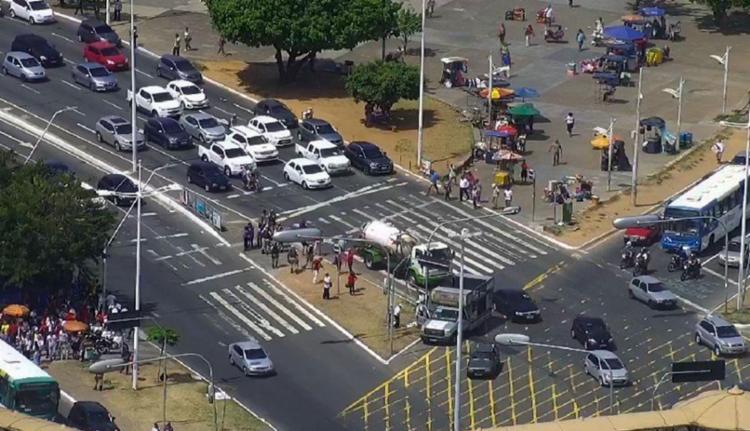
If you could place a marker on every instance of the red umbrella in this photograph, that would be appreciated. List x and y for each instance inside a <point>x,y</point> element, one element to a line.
<point>508,129</point>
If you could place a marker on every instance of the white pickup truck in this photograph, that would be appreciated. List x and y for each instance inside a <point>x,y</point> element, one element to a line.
<point>328,155</point>
<point>156,101</point>
<point>226,155</point>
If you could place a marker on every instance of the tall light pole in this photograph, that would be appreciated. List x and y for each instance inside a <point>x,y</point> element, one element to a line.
<point>724,61</point>
<point>677,94</point>
<point>105,250</point>
<point>611,139</point>
<point>489,95</point>
<point>134,127</point>
<point>463,236</point>
<point>636,139</point>
<point>420,128</point>
<point>49,123</point>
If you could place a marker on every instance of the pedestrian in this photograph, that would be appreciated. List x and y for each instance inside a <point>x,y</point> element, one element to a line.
<point>475,196</point>
<point>556,150</point>
<point>528,34</point>
<point>316,265</point>
<point>452,176</point>
<point>337,261</point>
<point>79,8</point>
<point>309,255</point>
<point>570,121</point>
<point>434,178</point>
<point>327,284</point>
<point>549,17</point>
<point>293,258</point>
<point>275,251</point>
<point>501,33</point>
<point>188,38</point>
<point>168,427</point>
<point>37,357</point>
<point>718,149</point>
<point>397,316</point>
<point>524,172</point>
<point>135,36</point>
<point>350,260</point>
<point>580,38</point>
<point>156,427</point>
<point>222,42</point>
<point>118,10</point>
<point>447,189</point>
<point>463,188</point>
<point>249,235</point>
<point>351,280</point>
<point>495,195</point>
<point>570,3</point>
<point>430,8</point>
<point>508,195</point>
<point>176,46</point>
<point>98,382</point>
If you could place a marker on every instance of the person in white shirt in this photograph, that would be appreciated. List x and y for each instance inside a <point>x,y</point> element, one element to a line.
<point>463,189</point>
<point>718,149</point>
<point>570,121</point>
<point>508,194</point>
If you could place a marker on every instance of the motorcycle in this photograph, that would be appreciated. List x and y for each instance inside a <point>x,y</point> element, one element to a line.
<point>677,262</point>
<point>641,264</point>
<point>627,259</point>
<point>691,271</point>
<point>251,182</point>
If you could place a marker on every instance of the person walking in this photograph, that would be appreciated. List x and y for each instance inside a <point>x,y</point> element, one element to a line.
<point>293,258</point>
<point>327,284</point>
<point>430,8</point>
<point>168,427</point>
<point>434,179</point>
<point>337,261</point>
<point>156,427</point>
<point>79,8</point>
<point>501,34</point>
<point>275,251</point>
<point>524,172</point>
<point>556,150</point>
<point>580,39</point>
<point>309,256</point>
<point>176,46</point>
<point>452,176</point>
<point>350,260</point>
<point>397,316</point>
<point>118,10</point>
<point>135,36</point>
<point>475,196</point>
<point>447,189</point>
<point>508,195</point>
<point>570,121</point>
<point>463,188</point>
<point>718,149</point>
<point>188,38</point>
<point>317,263</point>
<point>351,280</point>
<point>570,3</point>
<point>222,42</point>
<point>98,382</point>
<point>248,236</point>
<point>528,34</point>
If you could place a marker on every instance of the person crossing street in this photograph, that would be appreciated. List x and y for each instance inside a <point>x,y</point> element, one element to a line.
<point>434,179</point>
<point>556,150</point>
<point>176,46</point>
<point>188,38</point>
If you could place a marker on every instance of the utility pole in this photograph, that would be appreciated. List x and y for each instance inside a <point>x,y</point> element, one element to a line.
<point>489,95</point>
<point>136,330</point>
<point>636,140</point>
<point>611,139</point>
<point>420,129</point>
<point>133,124</point>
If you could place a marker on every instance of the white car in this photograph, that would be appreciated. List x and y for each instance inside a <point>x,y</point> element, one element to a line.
<point>156,101</point>
<point>229,157</point>
<point>190,95</point>
<point>306,173</point>
<point>33,11</point>
<point>271,129</point>
<point>326,154</point>
<point>254,143</point>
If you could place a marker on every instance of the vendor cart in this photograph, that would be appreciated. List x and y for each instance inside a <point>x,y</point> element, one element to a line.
<point>515,14</point>
<point>454,71</point>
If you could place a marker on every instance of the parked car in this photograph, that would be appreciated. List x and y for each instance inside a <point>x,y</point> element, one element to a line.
<point>739,158</point>
<point>648,289</point>
<point>203,127</point>
<point>166,132</point>
<point>606,368</point>
<point>275,109</point>
<point>250,357</point>
<point>156,101</point>
<point>174,67</point>
<point>118,132</point>
<point>228,156</point>
<point>93,30</point>
<point>592,332</point>
<point>272,129</point>
<point>516,305</point>
<point>208,176</point>
<point>732,256</point>
<point>90,416</point>
<point>254,143</point>
<point>117,183</point>
<point>484,361</point>
<point>368,158</point>
<point>313,129</point>
<point>38,47</point>
<point>328,155</point>
<point>23,66</point>
<point>190,95</point>
<point>642,235</point>
<point>307,174</point>
<point>719,335</point>
<point>105,54</point>
<point>33,11</point>
<point>94,76</point>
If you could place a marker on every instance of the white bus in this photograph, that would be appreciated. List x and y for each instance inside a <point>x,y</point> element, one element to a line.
<point>24,387</point>
<point>719,195</point>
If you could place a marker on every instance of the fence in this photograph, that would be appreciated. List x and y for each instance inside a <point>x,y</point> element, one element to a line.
<point>200,206</point>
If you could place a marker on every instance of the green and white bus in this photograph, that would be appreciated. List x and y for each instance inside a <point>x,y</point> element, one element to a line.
<point>24,387</point>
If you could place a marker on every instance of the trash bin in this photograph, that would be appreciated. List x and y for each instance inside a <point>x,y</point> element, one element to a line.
<point>686,139</point>
<point>567,212</point>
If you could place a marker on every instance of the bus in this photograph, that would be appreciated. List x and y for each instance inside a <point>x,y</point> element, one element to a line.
<point>718,195</point>
<point>24,387</point>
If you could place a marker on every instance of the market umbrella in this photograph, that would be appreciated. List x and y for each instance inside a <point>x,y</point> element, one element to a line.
<point>633,19</point>
<point>623,32</point>
<point>601,142</point>
<point>523,110</point>
<point>75,326</point>
<point>507,130</point>
<point>16,310</point>
<point>525,92</point>
<point>492,134</point>
<point>497,93</point>
<point>656,122</point>
<point>653,11</point>
<point>507,156</point>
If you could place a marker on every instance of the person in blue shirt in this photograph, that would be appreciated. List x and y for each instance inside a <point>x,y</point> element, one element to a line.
<point>434,179</point>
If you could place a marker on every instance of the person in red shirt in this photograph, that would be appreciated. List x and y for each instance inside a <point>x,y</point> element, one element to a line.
<point>350,282</point>
<point>350,260</point>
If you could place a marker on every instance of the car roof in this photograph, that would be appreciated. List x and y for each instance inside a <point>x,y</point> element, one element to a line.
<point>511,292</point>
<point>322,143</point>
<point>154,89</point>
<point>271,102</point>
<point>248,344</point>
<point>114,119</point>
<point>303,162</point>
<point>265,119</point>
<point>116,177</point>
<point>204,165</point>
<point>589,319</point>
<point>605,354</point>
<point>101,44</point>
<point>316,121</point>
<point>364,144</point>
<point>227,145</point>
<point>648,279</point>
<point>90,65</point>
<point>93,22</point>
<point>172,57</point>
<point>20,55</point>
<point>717,320</point>
<point>32,37</point>
<point>182,83</point>
<point>244,130</point>
<point>483,347</point>
<point>200,116</point>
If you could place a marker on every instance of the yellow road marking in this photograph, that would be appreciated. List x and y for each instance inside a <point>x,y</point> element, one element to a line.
<point>491,391</point>
<point>366,413</point>
<point>541,277</point>
<point>531,388</point>
<point>448,379</point>
<point>472,419</point>
<point>387,405</point>
<point>739,372</point>
<point>575,408</point>
<point>554,400</point>
<point>512,396</point>
<point>407,406</point>
<point>428,388</point>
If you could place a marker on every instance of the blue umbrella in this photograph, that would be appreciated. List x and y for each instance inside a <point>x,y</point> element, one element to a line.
<point>525,92</point>
<point>492,134</point>
<point>652,11</point>
<point>623,32</point>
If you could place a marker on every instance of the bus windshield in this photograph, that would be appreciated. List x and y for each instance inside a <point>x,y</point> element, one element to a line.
<point>687,227</point>
<point>38,399</point>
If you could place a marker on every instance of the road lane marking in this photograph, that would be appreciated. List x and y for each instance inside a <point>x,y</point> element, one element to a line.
<point>238,106</point>
<point>219,312</point>
<point>71,85</point>
<point>86,128</point>
<point>16,140</point>
<point>260,321</point>
<point>428,389</point>
<point>278,305</point>
<point>267,310</point>
<point>78,112</point>
<point>294,304</point>
<point>174,235</point>
<point>112,104</point>
<point>67,39</point>
<point>211,277</point>
<point>33,90</point>
<point>222,110</point>
<point>202,251</point>
<point>144,73</point>
<point>342,221</point>
<point>387,404</point>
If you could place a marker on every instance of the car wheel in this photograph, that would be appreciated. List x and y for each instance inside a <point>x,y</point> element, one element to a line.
<point>154,113</point>
<point>92,87</point>
<point>366,170</point>
<point>189,180</point>
<point>231,360</point>
<point>204,158</point>
<point>286,176</point>
<point>717,350</point>
<point>12,14</point>
<point>23,77</point>
<point>245,371</point>
<point>586,345</point>
<point>118,148</point>
<point>80,39</point>
<point>5,71</point>
<point>99,137</point>
<point>651,304</point>
<point>207,188</point>
<point>572,334</point>
<point>116,201</point>
<point>227,171</point>
<point>304,185</point>
<point>412,279</point>
<point>601,380</point>
<point>698,340</point>
<point>31,20</point>
<point>202,138</point>
<point>158,72</point>
<point>630,294</point>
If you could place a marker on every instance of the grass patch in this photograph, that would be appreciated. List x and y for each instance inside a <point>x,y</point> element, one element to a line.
<point>741,316</point>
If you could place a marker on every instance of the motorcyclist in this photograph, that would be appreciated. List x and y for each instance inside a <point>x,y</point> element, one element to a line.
<point>627,255</point>
<point>642,258</point>
<point>247,177</point>
<point>693,262</point>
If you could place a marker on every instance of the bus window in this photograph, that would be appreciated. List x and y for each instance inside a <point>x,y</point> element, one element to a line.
<point>37,399</point>
<point>4,388</point>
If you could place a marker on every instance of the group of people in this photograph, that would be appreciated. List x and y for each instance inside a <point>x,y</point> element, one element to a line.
<point>267,226</point>
<point>186,38</point>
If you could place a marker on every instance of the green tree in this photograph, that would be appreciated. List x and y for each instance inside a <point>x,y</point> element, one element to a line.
<point>719,8</point>
<point>408,23</point>
<point>302,28</point>
<point>50,227</point>
<point>382,84</point>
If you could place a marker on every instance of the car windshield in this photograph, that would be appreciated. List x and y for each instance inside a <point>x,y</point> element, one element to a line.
<point>279,109</point>
<point>191,89</point>
<point>446,314</point>
<point>99,71</point>
<point>123,129</point>
<point>255,354</point>
<point>734,246</point>
<point>184,65</point>
<point>330,152</point>
<point>126,186</point>
<point>171,127</point>
<point>656,287</point>
<point>162,97</point>
<point>103,29</point>
<point>208,123</point>
<point>594,324</point>
<point>235,152</point>
<point>38,399</point>
<point>614,364</point>
<point>726,332</point>
<point>257,140</point>
<point>441,253</point>
<point>325,129</point>
<point>312,169</point>
<point>38,5</point>
<point>98,417</point>
<point>274,126</point>
<point>372,152</point>
<point>29,62</point>
<point>480,358</point>
<point>110,51</point>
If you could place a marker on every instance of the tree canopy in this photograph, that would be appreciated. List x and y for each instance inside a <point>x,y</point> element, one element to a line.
<point>302,28</point>
<point>719,8</point>
<point>408,23</point>
<point>382,84</point>
<point>50,227</point>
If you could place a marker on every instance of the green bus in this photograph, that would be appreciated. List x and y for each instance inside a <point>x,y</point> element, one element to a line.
<point>24,387</point>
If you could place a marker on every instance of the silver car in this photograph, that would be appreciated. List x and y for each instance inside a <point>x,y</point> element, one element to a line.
<point>651,291</point>
<point>721,336</point>
<point>24,66</point>
<point>94,76</point>
<point>606,368</point>
<point>117,131</point>
<point>203,127</point>
<point>250,357</point>
<point>732,257</point>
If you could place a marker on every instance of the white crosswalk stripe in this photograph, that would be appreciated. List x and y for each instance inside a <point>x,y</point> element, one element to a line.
<point>238,314</point>
<point>258,318</point>
<point>267,310</point>
<point>294,304</point>
<point>279,306</point>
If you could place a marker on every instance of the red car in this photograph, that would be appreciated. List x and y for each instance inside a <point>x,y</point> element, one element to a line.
<point>645,235</point>
<point>105,54</point>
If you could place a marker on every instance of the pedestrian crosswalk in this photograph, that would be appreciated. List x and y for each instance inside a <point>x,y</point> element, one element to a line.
<point>261,311</point>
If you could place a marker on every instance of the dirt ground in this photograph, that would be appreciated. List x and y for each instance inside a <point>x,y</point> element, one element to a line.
<point>187,405</point>
<point>651,192</point>
<point>446,139</point>
<point>349,310</point>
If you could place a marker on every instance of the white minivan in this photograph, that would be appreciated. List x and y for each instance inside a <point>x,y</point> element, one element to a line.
<point>33,11</point>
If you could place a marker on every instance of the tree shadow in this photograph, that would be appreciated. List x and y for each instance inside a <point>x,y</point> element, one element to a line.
<point>406,119</point>
<point>263,79</point>
<point>736,23</point>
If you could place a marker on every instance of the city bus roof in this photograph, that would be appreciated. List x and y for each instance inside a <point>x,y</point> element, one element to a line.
<point>16,366</point>
<point>716,187</point>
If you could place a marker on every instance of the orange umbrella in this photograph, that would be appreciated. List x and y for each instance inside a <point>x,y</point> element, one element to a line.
<point>633,19</point>
<point>16,310</point>
<point>497,93</point>
<point>75,326</point>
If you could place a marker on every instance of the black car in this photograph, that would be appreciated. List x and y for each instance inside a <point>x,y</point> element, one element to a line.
<point>484,362</point>
<point>166,132</point>
<point>208,176</point>
<point>274,108</point>
<point>56,167</point>
<point>90,416</point>
<point>592,332</point>
<point>93,30</point>
<point>174,67</point>
<point>368,158</point>
<point>117,183</point>
<point>516,305</point>
<point>38,47</point>
<point>313,129</point>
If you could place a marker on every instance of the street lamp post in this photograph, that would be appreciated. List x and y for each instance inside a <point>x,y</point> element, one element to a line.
<point>105,250</point>
<point>420,128</point>
<point>724,61</point>
<point>611,140</point>
<point>134,128</point>
<point>636,139</point>
<point>49,123</point>
<point>677,94</point>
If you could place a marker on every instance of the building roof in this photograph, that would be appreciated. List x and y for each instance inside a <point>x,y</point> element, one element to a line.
<point>717,186</point>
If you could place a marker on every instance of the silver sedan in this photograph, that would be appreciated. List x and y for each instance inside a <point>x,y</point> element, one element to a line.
<point>94,76</point>
<point>203,127</point>
<point>117,131</point>
<point>24,66</point>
